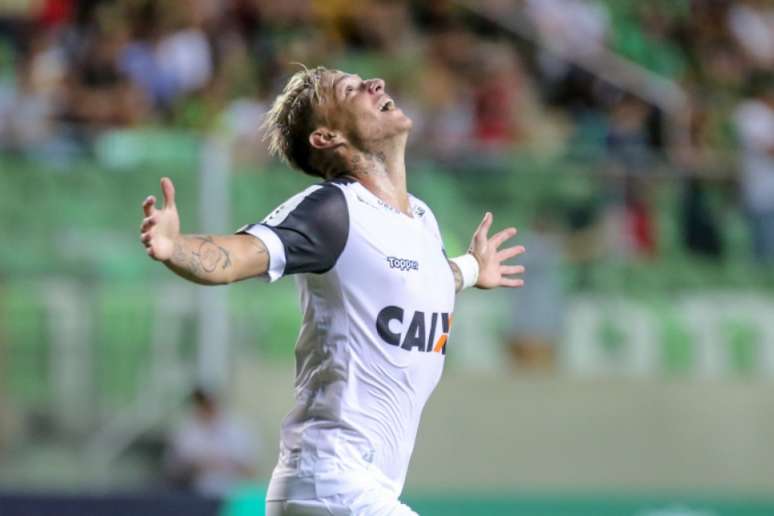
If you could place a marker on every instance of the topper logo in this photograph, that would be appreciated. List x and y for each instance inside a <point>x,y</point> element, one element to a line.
<point>402,264</point>
<point>416,335</point>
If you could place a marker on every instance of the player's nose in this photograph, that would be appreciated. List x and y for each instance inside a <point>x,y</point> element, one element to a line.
<point>375,85</point>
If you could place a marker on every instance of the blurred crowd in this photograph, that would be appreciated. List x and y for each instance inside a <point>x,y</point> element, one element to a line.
<point>91,65</point>
<point>483,81</point>
<point>479,79</point>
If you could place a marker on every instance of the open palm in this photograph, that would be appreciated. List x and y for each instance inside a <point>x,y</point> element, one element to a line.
<point>492,271</point>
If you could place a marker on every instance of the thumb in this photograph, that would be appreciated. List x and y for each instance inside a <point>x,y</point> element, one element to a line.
<point>169,192</point>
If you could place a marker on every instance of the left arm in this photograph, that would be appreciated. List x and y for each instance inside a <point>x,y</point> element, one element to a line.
<point>492,272</point>
<point>458,280</point>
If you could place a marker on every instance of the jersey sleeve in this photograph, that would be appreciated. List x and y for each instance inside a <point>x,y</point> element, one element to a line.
<point>305,234</point>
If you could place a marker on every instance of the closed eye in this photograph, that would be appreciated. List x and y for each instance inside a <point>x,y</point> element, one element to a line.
<point>349,84</point>
<point>352,86</point>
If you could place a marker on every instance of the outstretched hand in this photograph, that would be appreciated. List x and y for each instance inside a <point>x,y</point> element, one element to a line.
<point>160,227</point>
<point>492,271</point>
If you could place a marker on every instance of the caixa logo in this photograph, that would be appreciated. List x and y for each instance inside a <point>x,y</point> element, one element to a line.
<point>402,264</point>
<point>421,331</point>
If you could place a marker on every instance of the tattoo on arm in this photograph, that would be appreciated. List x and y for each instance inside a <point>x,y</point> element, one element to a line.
<point>210,255</point>
<point>457,276</point>
<point>218,260</point>
<point>200,255</point>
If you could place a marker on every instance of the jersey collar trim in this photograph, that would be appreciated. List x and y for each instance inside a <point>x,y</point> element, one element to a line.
<point>366,196</point>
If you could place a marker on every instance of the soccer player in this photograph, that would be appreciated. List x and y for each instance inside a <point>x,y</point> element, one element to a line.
<point>377,291</point>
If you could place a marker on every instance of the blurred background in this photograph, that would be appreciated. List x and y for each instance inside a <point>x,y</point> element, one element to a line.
<point>631,142</point>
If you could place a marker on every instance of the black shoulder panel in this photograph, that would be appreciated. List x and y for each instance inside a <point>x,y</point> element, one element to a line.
<point>315,232</point>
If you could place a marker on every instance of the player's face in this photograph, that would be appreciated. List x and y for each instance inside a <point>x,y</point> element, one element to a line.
<point>363,110</point>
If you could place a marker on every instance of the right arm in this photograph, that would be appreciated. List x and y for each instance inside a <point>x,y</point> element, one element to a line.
<point>218,259</point>
<point>203,259</point>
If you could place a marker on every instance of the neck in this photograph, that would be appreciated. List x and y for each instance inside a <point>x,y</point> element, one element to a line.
<point>382,170</point>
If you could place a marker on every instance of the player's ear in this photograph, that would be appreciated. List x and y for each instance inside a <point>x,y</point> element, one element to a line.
<point>324,138</point>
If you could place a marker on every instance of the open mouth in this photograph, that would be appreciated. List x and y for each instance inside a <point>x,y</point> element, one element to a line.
<point>387,105</point>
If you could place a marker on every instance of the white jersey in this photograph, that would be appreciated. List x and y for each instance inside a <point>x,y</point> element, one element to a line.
<point>377,295</point>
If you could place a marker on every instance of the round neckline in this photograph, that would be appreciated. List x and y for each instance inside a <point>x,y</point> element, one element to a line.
<point>385,206</point>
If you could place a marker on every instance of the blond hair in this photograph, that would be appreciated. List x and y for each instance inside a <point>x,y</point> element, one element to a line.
<point>292,119</point>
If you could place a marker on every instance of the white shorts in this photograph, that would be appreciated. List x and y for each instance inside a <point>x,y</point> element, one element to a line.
<point>369,503</point>
<point>332,487</point>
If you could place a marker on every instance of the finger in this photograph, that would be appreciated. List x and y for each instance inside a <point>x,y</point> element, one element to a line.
<point>509,252</point>
<point>149,205</point>
<point>482,231</point>
<point>502,236</point>
<point>145,238</point>
<point>169,192</point>
<point>507,270</point>
<point>150,252</point>
<point>147,223</point>
<point>510,282</point>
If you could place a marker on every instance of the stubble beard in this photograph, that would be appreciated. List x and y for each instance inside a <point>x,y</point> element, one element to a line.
<point>389,143</point>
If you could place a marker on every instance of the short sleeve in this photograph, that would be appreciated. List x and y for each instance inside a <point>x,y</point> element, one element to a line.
<point>306,234</point>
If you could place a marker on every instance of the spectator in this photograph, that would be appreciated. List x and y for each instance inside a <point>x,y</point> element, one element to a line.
<point>211,453</point>
<point>497,97</point>
<point>695,158</point>
<point>448,115</point>
<point>98,93</point>
<point>754,119</point>
<point>628,140</point>
<point>535,323</point>
<point>575,27</point>
<point>752,24</point>
<point>630,151</point>
<point>185,54</point>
